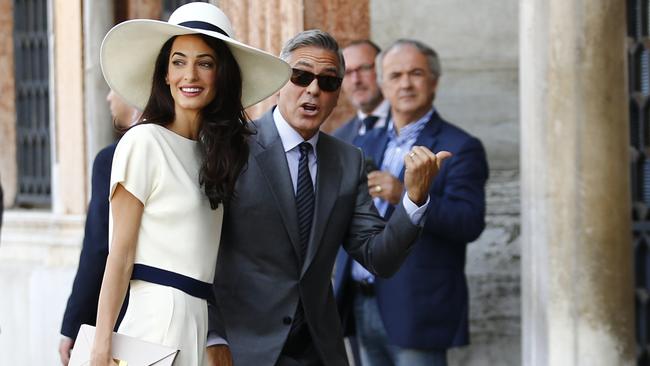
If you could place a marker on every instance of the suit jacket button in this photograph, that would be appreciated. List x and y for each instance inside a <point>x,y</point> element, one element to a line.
<point>286,320</point>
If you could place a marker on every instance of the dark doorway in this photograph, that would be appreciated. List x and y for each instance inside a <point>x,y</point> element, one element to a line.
<point>31,60</point>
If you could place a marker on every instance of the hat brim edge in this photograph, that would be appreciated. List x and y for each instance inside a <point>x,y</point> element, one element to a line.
<point>129,51</point>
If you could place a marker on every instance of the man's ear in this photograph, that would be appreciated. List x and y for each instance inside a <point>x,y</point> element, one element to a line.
<point>434,84</point>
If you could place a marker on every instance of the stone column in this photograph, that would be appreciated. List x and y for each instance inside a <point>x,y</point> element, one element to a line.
<point>8,168</point>
<point>98,19</point>
<point>577,277</point>
<point>267,24</point>
<point>69,184</point>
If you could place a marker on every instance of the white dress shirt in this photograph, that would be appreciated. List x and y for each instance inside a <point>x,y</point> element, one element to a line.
<point>290,141</point>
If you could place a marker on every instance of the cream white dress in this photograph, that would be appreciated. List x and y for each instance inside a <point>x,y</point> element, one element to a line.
<point>179,233</point>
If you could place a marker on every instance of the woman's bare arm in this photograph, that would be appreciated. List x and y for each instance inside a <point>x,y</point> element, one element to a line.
<point>127,214</point>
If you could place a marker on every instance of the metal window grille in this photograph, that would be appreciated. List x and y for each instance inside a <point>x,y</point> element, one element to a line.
<point>32,102</point>
<point>638,16</point>
<point>170,5</point>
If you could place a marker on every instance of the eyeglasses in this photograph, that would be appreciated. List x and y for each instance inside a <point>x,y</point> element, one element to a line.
<point>362,69</point>
<point>325,82</point>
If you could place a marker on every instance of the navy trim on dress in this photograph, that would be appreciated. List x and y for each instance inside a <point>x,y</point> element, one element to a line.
<point>203,25</point>
<point>189,285</point>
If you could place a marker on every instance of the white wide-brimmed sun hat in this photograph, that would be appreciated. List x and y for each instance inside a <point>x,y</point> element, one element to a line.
<point>129,51</point>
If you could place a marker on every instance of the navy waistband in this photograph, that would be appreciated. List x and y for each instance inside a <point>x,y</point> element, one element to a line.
<point>163,277</point>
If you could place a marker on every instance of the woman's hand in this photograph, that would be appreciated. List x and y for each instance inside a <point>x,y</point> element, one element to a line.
<point>101,358</point>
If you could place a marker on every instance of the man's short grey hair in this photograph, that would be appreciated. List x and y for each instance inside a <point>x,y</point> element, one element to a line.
<point>432,56</point>
<point>314,38</point>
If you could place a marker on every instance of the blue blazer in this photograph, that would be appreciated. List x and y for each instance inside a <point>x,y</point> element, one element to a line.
<point>82,303</point>
<point>425,304</point>
<point>349,131</point>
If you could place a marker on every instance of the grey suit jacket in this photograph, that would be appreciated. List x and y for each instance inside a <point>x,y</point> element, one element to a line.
<point>259,279</point>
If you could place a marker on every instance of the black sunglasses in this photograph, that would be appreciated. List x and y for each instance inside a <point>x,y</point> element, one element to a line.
<point>325,82</point>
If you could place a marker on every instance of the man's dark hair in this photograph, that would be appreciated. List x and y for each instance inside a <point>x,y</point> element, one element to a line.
<point>314,38</point>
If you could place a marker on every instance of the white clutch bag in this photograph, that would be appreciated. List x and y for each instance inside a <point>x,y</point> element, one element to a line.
<point>127,351</point>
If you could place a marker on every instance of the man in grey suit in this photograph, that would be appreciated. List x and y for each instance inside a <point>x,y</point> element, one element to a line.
<point>302,194</point>
<point>361,88</point>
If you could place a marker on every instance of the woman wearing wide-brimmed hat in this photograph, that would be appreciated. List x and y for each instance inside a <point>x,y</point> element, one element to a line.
<point>174,170</point>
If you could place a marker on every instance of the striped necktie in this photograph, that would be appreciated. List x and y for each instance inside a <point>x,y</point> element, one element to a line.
<point>305,209</point>
<point>304,198</point>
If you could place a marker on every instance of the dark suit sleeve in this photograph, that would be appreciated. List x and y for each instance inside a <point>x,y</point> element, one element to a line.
<point>82,303</point>
<point>457,208</point>
<point>380,249</point>
<point>216,323</point>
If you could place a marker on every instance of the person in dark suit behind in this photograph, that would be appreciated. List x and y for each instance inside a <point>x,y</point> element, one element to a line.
<point>413,317</point>
<point>304,193</point>
<point>361,88</point>
<point>82,303</point>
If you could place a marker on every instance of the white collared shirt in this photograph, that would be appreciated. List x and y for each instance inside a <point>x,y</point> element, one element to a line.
<point>290,141</point>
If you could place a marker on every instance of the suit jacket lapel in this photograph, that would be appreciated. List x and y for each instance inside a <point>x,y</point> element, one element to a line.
<point>328,180</point>
<point>272,161</point>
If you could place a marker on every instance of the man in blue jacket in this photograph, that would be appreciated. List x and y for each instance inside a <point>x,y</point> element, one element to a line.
<point>82,303</point>
<point>413,317</point>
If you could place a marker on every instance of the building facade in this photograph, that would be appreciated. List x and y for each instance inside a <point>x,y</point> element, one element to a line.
<point>498,82</point>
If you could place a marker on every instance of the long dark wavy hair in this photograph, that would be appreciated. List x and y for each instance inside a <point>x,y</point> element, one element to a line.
<point>223,129</point>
